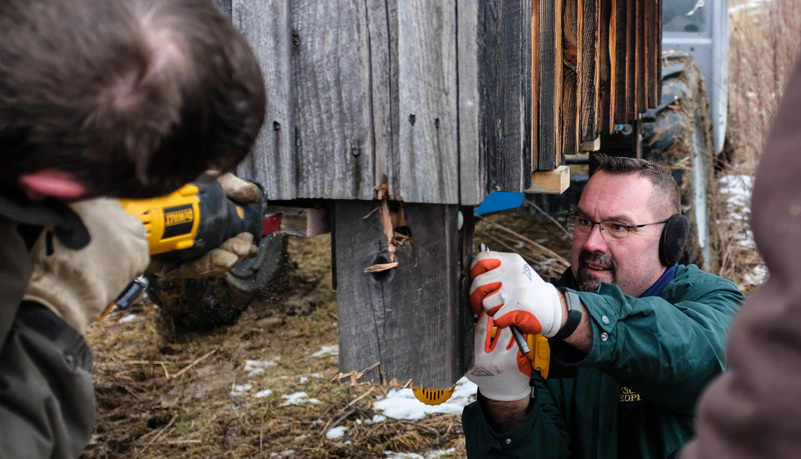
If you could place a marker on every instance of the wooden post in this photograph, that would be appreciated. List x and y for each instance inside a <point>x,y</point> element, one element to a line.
<point>412,319</point>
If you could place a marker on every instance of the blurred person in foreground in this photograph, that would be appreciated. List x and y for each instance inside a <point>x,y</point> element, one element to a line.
<point>753,409</point>
<point>98,99</point>
<point>634,337</point>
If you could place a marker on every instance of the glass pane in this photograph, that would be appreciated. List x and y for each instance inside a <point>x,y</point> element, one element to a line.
<point>675,16</point>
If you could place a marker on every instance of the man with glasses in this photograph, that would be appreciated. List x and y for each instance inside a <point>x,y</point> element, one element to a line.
<point>634,337</point>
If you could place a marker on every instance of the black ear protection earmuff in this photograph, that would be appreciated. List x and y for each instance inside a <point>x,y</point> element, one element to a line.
<point>674,236</point>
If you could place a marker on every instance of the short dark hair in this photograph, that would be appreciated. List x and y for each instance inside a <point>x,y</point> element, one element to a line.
<point>666,193</point>
<point>131,98</point>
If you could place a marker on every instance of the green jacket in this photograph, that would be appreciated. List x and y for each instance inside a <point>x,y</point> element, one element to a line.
<point>634,393</point>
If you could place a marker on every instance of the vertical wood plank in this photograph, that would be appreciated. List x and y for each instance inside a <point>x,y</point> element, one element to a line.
<point>620,10</point>
<point>472,163</point>
<point>333,136</point>
<point>535,83</point>
<point>267,28</point>
<point>550,91</point>
<point>650,53</point>
<point>658,62</point>
<point>631,61</point>
<point>506,88</point>
<point>571,98</point>
<point>606,67</point>
<point>382,24</point>
<point>411,322</point>
<point>589,68</point>
<point>428,167</point>
<point>642,46</point>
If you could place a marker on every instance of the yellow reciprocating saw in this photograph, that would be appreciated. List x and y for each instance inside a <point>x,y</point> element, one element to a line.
<point>194,219</point>
<point>187,224</point>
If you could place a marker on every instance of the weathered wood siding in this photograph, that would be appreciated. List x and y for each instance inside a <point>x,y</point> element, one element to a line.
<point>440,102</point>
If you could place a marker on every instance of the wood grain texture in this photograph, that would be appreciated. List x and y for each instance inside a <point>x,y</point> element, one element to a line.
<point>589,63</point>
<point>550,89</point>
<point>505,85</point>
<point>413,320</point>
<point>620,10</point>
<point>535,83</point>
<point>631,62</point>
<point>267,28</point>
<point>333,138</point>
<point>472,163</point>
<point>571,99</point>
<point>642,47</point>
<point>428,165</point>
<point>606,61</point>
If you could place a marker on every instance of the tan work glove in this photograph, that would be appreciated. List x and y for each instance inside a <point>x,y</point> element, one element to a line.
<point>232,251</point>
<point>78,285</point>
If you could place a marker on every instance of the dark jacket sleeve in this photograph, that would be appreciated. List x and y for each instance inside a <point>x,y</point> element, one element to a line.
<point>541,435</point>
<point>752,411</point>
<point>665,348</point>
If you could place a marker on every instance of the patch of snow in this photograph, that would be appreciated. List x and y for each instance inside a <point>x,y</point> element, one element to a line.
<point>255,367</point>
<point>241,389</point>
<point>399,455</point>
<point>327,350</point>
<point>336,432</point>
<point>263,393</point>
<point>128,318</point>
<point>304,379</point>
<point>297,398</point>
<point>402,404</point>
<point>408,455</point>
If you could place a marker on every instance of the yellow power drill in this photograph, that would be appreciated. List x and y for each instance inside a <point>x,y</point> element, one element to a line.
<point>188,223</point>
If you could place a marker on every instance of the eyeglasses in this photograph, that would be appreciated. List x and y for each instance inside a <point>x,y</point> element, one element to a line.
<point>612,230</point>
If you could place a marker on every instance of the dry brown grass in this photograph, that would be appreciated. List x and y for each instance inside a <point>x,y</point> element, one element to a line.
<point>764,44</point>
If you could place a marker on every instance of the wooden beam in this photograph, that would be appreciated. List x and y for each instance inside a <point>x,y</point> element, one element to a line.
<point>550,182</point>
<point>411,324</point>
<point>592,145</point>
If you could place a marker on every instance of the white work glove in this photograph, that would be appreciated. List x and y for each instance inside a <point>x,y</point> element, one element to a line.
<point>511,292</point>
<point>232,251</point>
<point>78,285</point>
<point>501,371</point>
